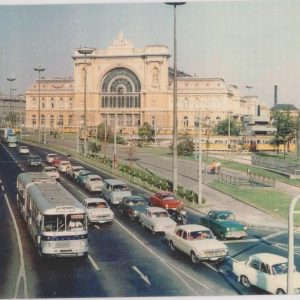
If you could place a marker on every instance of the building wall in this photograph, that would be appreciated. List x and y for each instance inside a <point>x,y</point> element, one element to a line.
<point>146,68</point>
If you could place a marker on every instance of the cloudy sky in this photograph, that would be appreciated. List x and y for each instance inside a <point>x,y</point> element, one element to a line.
<point>254,43</point>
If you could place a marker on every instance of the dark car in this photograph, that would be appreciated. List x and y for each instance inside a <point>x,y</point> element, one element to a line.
<point>223,224</point>
<point>34,160</point>
<point>132,206</point>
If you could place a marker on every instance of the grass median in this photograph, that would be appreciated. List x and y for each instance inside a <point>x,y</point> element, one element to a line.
<point>269,200</point>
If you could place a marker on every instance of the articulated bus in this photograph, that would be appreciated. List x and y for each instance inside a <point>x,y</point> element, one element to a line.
<point>56,220</point>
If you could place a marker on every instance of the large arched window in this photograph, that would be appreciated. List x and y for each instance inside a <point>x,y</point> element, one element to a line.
<point>186,121</point>
<point>43,120</point>
<point>51,121</point>
<point>60,120</point>
<point>70,120</point>
<point>121,88</point>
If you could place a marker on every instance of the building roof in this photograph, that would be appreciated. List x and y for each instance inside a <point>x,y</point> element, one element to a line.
<point>179,73</point>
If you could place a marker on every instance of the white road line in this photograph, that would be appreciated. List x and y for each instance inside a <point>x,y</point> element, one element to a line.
<point>241,241</point>
<point>22,273</point>
<point>2,188</point>
<point>272,235</point>
<point>172,268</point>
<point>96,226</point>
<point>93,263</point>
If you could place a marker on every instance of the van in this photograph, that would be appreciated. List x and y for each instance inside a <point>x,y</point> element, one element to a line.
<point>115,190</point>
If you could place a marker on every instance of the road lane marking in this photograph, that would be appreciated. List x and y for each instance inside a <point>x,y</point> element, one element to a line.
<point>93,263</point>
<point>144,277</point>
<point>96,226</point>
<point>2,188</point>
<point>22,273</point>
<point>172,268</point>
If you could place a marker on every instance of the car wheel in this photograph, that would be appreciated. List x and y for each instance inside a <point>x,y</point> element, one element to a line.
<point>194,258</point>
<point>280,292</point>
<point>245,281</point>
<point>171,246</point>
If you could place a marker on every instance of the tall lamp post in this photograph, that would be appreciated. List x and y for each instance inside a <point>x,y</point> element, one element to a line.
<point>85,51</point>
<point>10,79</point>
<point>199,157</point>
<point>175,168</point>
<point>39,69</point>
<point>290,275</point>
<point>14,116</point>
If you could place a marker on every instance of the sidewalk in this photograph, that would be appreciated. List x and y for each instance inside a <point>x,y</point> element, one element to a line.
<point>188,177</point>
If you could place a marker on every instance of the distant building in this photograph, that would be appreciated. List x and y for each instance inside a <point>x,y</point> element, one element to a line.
<point>136,85</point>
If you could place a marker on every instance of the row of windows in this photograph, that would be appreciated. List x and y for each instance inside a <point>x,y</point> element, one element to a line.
<point>60,120</point>
<point>122,120</point>
<point>121,101</point>
<point>61,103</point>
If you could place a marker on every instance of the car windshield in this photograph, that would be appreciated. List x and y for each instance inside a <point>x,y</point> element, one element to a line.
<point>280,268</point>
<point>168,196</point>
<point>118,188</point>
<point>136,202</point>
<point>226,217</point>
<point>162,214</point>
<point>97,205</point>
<point>95,179</point>
<point>200,235</point>
<point>35,158</point>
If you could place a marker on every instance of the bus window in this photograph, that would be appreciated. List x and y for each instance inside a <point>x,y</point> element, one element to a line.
<point>76,222</point>
<point>54,223</point>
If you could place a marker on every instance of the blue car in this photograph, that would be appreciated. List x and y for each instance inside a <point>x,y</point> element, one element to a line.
<point>82,176</point>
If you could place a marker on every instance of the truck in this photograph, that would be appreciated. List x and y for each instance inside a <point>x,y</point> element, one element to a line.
<point>8,136</point>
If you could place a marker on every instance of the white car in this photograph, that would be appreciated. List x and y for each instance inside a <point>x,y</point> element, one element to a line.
<point>93,183</point>
<point>267,271</point>
<point>73,171</point>
<point>157,220</point>
<point>63,165</point>
<point>23,150</point>
<point>51,172</point>
<point>98,210</point>
<point>50,157</point>
<point>198,242</point>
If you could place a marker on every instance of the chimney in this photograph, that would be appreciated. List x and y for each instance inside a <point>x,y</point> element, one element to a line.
<point>275,95</point>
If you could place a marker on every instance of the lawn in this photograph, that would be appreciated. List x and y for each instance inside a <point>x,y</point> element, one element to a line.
<point>267,199</point>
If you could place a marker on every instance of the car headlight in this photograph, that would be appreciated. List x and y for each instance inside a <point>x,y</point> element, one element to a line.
<point>228,229</point>
<point>245,228</point>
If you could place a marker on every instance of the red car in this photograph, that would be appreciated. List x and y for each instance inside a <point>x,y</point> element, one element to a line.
<point>56,161</point>
<point>165,199</point>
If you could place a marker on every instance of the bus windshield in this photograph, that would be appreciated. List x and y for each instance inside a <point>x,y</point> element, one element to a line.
<point>64,223</point>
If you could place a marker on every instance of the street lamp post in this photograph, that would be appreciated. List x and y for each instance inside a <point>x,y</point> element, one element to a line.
<point>39,69</point>
<point>57,87</point>
<point>175,168</point>
<point>290,277</point>
<point>115,139</point>
<point>10,79</point>
<point>199,158</point>
<point>85,51</point>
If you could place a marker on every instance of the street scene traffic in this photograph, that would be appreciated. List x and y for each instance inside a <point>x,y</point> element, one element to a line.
<point>135,176</point>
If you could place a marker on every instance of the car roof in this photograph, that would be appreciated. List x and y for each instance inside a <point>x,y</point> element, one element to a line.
<point>23,147</point>
<point>115,182</point>
<point>92,200</point>
<point>94,176</point>
<point>192,227</point>
<point>76,167</point>
<point>164,192</point>
<point>134,197</point>
<point>64,161</point>
<point>51,154</point>
<point>50,167</point>
<point>269,258</point>
<point>222,211</point>
<point>156,209</point>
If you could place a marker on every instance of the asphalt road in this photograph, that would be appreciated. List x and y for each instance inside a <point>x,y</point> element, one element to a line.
<point>124,260</point>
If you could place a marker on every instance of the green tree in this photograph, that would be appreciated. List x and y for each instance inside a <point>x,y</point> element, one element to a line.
<point>185,145</point>
<point>146,132</point>
<point>222,127</point>
<point>286,129</point>
<point>101,132</point>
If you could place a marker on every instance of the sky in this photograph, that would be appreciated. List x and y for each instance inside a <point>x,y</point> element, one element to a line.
<point>247,43</point>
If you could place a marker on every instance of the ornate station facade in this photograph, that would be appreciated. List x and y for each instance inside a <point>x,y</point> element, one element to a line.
<point>135,86</point>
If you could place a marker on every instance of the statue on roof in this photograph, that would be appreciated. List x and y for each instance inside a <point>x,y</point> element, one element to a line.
<point>121,41</point>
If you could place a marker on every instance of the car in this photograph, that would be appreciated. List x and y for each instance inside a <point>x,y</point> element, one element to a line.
<point>52,172</point>
<point>165,199</point>
<point>132,206</point>
<point>82,176</point>
<point>34,160</point>
<point>223,224</point>
<point>266,271</point>
<point>198,242</point>
<point>93,183</point>
<point>157,220</point>
<point>50,157</point>
<point>63,165</point>
<point>114,190</point>
<point>23,150</point>
<point>73,171</point>
<point>98,211</point>
<point>56,160</point>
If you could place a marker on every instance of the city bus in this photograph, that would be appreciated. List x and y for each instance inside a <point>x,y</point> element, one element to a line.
<point>56,220</point>
<point>5,132</point>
